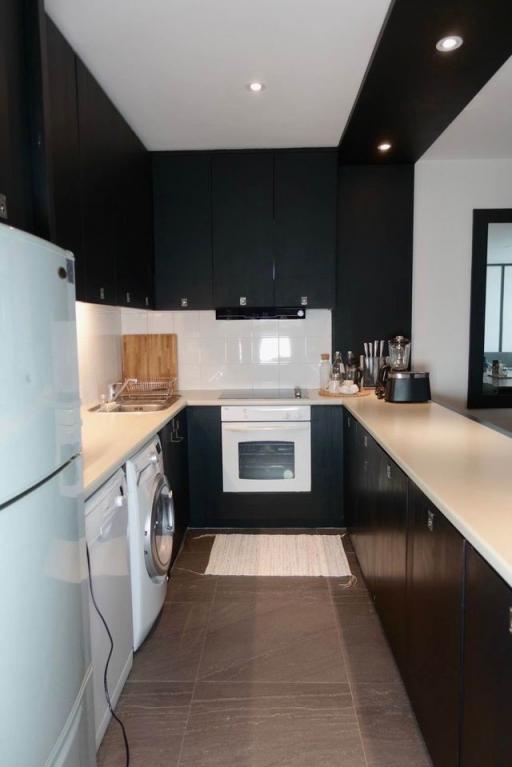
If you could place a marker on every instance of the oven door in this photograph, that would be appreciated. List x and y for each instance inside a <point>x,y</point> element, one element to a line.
<point>266,457</point>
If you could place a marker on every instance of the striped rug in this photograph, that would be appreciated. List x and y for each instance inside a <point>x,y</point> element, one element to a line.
<point>279,555</point>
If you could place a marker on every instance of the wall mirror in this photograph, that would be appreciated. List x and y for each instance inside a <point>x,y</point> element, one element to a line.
<point>490,346</point>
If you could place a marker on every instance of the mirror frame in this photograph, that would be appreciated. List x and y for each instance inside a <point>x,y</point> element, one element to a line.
<point>481,220</point>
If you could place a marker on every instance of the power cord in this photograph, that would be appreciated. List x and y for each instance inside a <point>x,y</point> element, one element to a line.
<point>105,672</point>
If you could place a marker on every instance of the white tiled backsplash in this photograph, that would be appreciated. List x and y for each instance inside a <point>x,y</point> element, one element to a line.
<point>212,354</point>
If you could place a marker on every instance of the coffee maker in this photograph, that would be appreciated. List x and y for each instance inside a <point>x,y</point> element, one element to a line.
<point>395,382</point>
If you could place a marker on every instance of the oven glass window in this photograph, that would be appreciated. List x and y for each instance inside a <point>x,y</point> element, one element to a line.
<point>266,460</point>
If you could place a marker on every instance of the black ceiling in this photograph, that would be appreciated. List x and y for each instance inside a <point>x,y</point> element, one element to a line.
<point>411,91</point>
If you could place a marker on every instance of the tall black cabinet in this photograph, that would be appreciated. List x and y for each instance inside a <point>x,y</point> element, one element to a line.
<point>183,229</point>
<point>305,228</point>
<point>62,150</point>
<point>243,213</point>
<point>99,171</point>
<point>15,168</point>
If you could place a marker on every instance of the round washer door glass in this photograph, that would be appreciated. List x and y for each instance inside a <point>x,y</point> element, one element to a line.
<point>159,530</point>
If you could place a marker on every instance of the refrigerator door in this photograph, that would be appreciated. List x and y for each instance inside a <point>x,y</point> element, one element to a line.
<point>44,641</point>
<point>39,399</point>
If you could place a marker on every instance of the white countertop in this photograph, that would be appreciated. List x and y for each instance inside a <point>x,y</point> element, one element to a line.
<point>465,468</point>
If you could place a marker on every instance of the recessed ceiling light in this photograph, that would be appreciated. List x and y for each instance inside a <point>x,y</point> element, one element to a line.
<point>384,147</point>
<point>256,87</point>
<point>449,43</point>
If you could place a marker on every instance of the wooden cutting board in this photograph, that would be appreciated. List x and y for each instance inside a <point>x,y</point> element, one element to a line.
<point>150,357</point>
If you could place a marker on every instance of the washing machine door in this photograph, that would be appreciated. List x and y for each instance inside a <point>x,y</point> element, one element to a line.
<point>159,529</point>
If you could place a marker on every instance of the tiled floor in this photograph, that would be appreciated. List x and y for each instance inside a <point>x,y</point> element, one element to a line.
<point>259,672</point>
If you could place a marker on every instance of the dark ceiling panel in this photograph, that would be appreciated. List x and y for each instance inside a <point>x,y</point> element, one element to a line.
<point>411,91</point>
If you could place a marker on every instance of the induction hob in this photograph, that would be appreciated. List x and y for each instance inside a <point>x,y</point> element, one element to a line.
<point>296,393</point>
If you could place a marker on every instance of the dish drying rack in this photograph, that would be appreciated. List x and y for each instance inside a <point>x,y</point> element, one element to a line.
<point>161,389</point>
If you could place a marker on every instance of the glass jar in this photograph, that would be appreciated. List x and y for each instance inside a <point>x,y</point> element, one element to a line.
<point>325,371</point>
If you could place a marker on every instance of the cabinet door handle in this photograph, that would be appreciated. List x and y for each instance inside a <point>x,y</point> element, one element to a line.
<point>365,441</point>
<point>102,294</point>
<point>128,298</point>
<point>243,300</point>
<point>3,206</point>
<point>184,303</point>
<point>430,521</point>
<point>510,620</point>
<point>365,465</point>
<point>303,300</point>
<point>146,300</point>
<point>388,471</point>
<point>348,422</point>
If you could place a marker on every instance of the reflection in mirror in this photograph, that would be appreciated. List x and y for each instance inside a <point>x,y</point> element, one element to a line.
<point>497,373</point>
<point>490,342</point>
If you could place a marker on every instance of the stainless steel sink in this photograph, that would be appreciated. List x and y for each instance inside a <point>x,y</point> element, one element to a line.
<point>135,406</point>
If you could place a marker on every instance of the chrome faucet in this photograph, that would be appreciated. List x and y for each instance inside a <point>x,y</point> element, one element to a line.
<point>116,389</point>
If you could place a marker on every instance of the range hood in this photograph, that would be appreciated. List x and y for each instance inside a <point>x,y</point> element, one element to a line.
<point>261,313</point>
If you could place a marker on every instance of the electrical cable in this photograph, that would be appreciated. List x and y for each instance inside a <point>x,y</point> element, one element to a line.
<point>105,672</point>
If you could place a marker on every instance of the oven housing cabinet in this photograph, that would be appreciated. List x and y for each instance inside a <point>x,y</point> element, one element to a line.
<point>210,506</point>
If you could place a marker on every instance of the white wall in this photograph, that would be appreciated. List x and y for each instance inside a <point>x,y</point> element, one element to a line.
<point>212,354</point>
<point>445,194</point>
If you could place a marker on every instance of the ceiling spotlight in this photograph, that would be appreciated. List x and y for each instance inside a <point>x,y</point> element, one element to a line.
<point>384,147</point>
<point>256,87</point>
<point>449,43</point>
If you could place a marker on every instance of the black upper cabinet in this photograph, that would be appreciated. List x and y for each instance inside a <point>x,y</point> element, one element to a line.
<point>434,626</point>
<point>92,189</point>
<point>133,220</point>
<point>62,148</point>
<point>183,230</point>
<point>305,234</point>
<point>15,171</point>
<point>487,676</point>
<point>99,174</point>
<point>242,201</point>
<point>245,228</point>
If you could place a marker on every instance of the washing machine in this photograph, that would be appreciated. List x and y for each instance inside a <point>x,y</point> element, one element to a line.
<point>106,530</point>
<point>150,533</point>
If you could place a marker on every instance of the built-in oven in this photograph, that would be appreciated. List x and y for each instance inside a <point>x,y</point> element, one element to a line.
<point>266,448</point>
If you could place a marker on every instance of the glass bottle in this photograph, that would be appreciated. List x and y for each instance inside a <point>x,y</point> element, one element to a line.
<point>338,368</point>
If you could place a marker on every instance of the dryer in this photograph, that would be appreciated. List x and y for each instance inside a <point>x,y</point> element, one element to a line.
<point>150,533</point>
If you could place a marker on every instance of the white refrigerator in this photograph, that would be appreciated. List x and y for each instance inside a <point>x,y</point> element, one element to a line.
<point>45,666</point>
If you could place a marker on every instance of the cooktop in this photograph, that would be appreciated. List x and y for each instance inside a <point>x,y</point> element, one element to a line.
<point>263,393</point>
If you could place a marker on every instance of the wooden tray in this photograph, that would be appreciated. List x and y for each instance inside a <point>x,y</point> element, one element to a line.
<point>361,393</point>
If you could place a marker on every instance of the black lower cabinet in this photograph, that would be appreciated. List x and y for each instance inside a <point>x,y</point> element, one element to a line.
<point>434,626</point>
<point>446,613</point>
<point>376,505</point>
<point>175,451</point>
<point>358,498</point>
<point>389,549</point>
<point>487,676</point>
<point>205,464</point>
<point>350,467</point>
<point>211,507</point>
